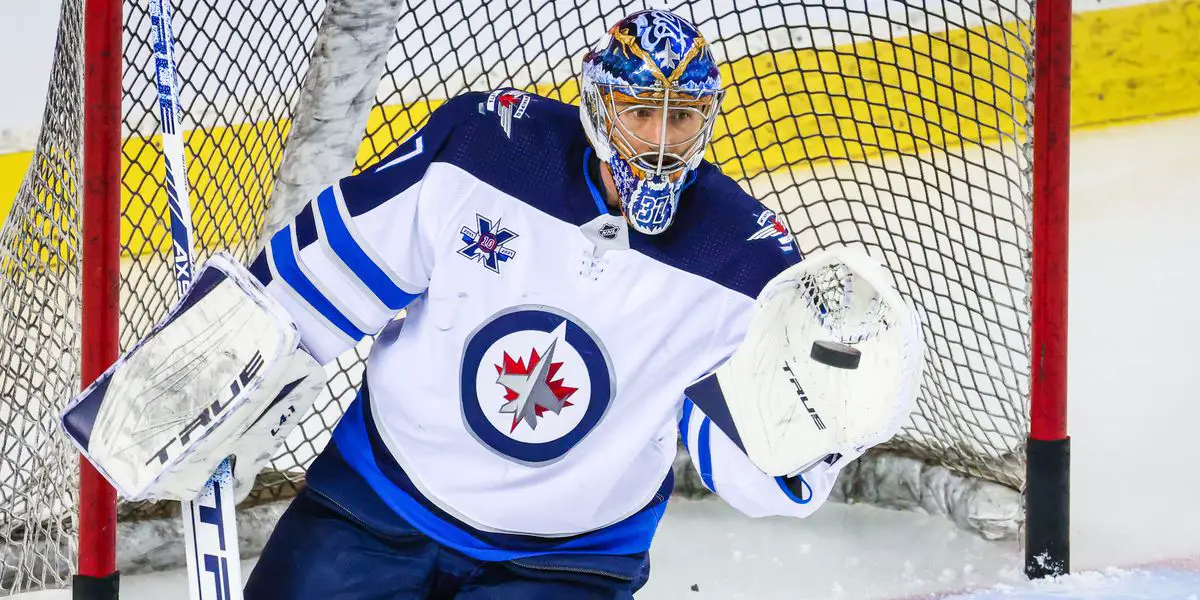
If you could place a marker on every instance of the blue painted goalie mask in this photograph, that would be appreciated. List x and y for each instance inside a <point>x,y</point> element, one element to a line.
<point>650,97</point>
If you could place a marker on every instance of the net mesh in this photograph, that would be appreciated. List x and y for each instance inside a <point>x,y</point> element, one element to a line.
<point>903,129</point>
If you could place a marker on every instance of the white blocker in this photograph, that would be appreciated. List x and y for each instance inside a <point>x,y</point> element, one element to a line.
<point>222,375</point>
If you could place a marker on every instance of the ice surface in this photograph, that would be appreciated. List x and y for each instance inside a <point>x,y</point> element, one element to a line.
<point>1111,584</point>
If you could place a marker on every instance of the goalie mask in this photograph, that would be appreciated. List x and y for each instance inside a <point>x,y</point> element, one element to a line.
<point>650,96</point>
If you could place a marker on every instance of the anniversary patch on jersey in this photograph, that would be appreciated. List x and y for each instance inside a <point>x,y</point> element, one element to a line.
<point>535,382</point>
<point>509,105</point>
<point>485,243</point>
<point>772,227</point>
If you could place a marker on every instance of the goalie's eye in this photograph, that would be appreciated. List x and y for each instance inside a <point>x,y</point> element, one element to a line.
<point>683,117</point>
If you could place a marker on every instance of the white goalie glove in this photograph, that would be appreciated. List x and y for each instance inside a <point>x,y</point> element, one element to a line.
<point>830,365</point>
<point>223,375</point>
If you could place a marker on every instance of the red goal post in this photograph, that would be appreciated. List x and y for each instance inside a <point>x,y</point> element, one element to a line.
<point>96,575</point>
<point>1047,483</point>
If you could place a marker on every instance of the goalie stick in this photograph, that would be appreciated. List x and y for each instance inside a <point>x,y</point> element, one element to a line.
<point>209,521</point>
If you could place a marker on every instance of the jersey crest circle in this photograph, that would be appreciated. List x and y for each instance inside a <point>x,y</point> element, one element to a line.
<point>534,382</point>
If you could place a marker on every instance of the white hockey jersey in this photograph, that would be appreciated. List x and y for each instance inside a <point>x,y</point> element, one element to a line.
<point>535,389</point>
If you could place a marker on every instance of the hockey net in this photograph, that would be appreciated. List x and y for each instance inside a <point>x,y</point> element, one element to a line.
<point>902,128</point>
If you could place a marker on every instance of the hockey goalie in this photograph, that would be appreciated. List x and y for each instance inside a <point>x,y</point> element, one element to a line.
<point>581,288</point>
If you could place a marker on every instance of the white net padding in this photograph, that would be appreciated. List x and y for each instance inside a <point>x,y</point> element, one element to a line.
<point>903,128</point>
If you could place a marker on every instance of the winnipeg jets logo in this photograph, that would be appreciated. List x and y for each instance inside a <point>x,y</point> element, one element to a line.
<point>509,105</point>
<point>663,33</point>
<point>485,243</point>
<point>532,389</point>
<point>534,382</point>
<point>771,227</point>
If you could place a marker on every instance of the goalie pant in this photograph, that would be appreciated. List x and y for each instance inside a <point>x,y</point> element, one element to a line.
<point>489,241</point>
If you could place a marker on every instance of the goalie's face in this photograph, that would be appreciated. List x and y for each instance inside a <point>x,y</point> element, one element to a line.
<point>650,96</point>
<point>660,137</point>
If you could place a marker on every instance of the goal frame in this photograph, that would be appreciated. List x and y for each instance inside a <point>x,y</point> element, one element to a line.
<point>96,573</point>
<point>1047,448</point>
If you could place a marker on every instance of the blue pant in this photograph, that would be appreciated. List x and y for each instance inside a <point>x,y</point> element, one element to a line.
<point>321,550</point>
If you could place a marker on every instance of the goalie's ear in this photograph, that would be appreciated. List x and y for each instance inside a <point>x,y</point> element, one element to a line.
<point>160,420</point>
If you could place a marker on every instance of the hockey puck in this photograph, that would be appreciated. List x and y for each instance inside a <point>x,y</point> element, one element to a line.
<point>839,356</point>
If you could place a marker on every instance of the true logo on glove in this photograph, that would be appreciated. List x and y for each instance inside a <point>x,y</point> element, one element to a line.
<point>211,411</point>
<point>804,398</point>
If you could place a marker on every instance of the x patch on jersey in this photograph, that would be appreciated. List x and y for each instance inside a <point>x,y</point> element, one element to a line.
<point>486,245</point>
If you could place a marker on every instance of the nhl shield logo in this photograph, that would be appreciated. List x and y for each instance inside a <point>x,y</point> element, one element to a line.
<point>535,382</point>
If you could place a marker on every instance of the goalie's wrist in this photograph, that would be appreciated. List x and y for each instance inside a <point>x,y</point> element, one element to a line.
<point>796,487</point>
<point>800,489</point>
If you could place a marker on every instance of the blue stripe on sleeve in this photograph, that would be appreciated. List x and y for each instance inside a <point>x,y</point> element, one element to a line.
<point>706,474</point>
<point>289,271</point>
<point>684,420</point>
<point>353,256</point>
